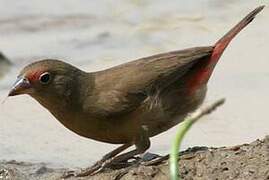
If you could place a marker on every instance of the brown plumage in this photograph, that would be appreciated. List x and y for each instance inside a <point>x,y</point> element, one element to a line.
<point>129,103</point>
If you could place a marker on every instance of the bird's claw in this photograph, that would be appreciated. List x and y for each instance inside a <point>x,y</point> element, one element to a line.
<point>87,172</point>
<point>96,168</point>
<point>156,160</point>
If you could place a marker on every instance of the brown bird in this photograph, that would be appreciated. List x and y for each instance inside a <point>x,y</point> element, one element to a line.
<point>129,103</point>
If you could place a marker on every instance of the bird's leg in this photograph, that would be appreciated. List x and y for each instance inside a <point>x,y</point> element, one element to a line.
<point>99,163</point>
<point>112,154</point>
<point>142,143</point>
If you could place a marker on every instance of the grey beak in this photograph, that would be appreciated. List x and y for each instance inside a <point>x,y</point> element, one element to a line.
<point>21,85</point>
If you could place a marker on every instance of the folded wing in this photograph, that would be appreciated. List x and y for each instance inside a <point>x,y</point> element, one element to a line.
<point>131,83</point>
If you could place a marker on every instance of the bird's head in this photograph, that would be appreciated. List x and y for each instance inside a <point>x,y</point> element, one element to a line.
<point>46,79</point>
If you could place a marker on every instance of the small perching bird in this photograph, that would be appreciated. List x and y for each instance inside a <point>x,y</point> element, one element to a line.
<point>129,103</point>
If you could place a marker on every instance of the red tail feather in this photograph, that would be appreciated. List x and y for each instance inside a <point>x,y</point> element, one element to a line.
<point>203,74</point>
<point>226,39</point>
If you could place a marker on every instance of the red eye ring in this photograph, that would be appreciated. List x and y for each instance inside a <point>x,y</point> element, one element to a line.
<point>44,78</point>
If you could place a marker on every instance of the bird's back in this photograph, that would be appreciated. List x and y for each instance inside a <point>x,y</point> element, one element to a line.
<point>147,91</point>
<point>150,72</point>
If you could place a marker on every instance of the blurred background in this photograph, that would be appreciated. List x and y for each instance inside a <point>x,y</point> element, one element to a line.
<point>98,34</point>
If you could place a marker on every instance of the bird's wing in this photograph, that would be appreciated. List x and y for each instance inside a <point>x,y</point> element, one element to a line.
<point>123,88</point>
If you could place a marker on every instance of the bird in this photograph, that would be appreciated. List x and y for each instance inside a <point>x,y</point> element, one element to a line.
<point>129,103</point>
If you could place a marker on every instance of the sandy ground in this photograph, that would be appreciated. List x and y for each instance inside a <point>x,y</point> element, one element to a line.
<point>242,162</point>
<point>94,35</point>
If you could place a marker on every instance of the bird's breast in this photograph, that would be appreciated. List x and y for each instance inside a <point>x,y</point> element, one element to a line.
<point>115,131</point>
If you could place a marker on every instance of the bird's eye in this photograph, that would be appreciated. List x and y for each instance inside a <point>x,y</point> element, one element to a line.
<point>44,78</point>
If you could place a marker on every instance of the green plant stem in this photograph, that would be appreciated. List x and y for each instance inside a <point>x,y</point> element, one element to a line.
<point>183,129</point>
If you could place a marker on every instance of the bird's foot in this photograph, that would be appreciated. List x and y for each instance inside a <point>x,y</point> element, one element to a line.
<point>112,164</point>
<point>96,168</point>
<point>82,173</point>
<point>149,156</point>
<point>150,159</point>
<point>147,160</point>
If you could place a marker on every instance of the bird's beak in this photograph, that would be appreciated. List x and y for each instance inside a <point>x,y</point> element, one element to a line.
<point>21,86</point>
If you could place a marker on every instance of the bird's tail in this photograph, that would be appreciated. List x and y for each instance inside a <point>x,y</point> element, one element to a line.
<point>204,72</point>
<point>226,39</point>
